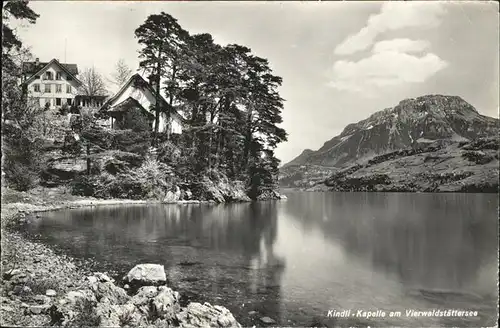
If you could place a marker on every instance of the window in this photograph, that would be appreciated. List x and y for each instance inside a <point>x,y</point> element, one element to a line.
<point>58,76</point>
<point>37,77</point>
<point>58,101</point>
<point>48,76</point>
<point>68,101</point>
<point>68,88</point>
<point>36,87</point>
<point>48,88</point>
<point>58,88</point>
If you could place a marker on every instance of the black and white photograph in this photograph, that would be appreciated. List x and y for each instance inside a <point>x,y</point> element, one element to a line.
<point>200,164</point>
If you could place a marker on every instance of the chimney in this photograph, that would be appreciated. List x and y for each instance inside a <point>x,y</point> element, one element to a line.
<point>37,61</point>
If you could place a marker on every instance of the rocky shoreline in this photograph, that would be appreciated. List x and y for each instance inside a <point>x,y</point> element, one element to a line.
<point>41,288</point>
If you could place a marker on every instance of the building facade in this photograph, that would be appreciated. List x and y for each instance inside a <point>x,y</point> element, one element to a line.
<point>138,95</point>
<point>54,84</point>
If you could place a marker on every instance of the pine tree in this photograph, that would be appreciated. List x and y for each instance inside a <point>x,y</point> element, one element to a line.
<point>162,39</point>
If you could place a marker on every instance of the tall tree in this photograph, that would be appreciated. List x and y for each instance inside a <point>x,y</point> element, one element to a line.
<point>93,83</point>
<point>20,131</point>
<point>229,97</point>
<point>10,41</point>
<point>122,73</point>
<point>161,38</point>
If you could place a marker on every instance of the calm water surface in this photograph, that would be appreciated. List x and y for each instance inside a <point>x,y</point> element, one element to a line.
<point>294,260</point>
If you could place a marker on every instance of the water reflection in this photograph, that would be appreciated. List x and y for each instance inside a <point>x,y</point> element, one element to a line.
<point>428,240</point>
<point>295,260</point>
<point>221,254</point>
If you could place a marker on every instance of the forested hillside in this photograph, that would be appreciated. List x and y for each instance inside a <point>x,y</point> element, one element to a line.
<point>227,95</point>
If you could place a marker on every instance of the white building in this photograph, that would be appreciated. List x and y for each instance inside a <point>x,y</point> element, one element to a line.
<point>55,84</point>
<point>137,93</point>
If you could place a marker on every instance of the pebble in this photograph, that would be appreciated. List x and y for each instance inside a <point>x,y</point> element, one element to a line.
<point>252,313</point>
<point>41,299</point>
<point>50,292</point>
<point>14,272</point>
<point>38,309</point>
<point>26,290</point>
<point>92,279</point>
<point>7,308</point>
<point>267,320</point>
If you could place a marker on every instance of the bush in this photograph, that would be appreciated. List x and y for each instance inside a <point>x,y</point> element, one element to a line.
<point>169,153</point>
<point>131,141</point>
<point>477,157</point>
<point>22,164</point>
<point>20,177</point>
<point>151,180</point>
<point>86,315</point>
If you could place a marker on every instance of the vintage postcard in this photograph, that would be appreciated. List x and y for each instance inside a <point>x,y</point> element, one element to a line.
<point>250,164</point>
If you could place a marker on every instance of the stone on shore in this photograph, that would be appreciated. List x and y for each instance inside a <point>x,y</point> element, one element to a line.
<point>112,293</point>
<point>38,309</point>
<point>206,315</point>
<point>51,292</point>
<point>146,274</point>
<point>70,308</point>
<point>166,303</point>
<point>107,305</point>
<point>267,320</point>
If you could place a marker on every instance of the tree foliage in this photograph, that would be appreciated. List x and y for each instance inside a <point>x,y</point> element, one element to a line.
<point>162,40</point>
<point>20,118</point>
<point>122,73</point>
<point>10,41</point>
<point>228,95</point>
<point>93,83</point>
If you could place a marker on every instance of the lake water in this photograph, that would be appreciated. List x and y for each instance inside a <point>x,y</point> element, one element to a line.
<point>297,259</point>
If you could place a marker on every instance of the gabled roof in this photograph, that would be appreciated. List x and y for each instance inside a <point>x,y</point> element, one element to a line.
<point>33,69</point>
<point>137,81</point>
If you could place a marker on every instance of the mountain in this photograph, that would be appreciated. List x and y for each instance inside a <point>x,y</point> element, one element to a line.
<point>421,120</point>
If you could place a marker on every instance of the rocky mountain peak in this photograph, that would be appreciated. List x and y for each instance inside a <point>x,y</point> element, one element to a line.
<point>423,119</point>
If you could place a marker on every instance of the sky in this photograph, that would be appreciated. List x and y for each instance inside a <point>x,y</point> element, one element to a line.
<point>340,61</point>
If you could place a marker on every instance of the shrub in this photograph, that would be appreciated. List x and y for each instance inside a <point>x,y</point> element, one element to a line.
<point>87,315</point>
<point>131,141</point>
<point>477,157</point>
<point>151,180</point>
<point>22,163</point>
<point>169,153</point>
